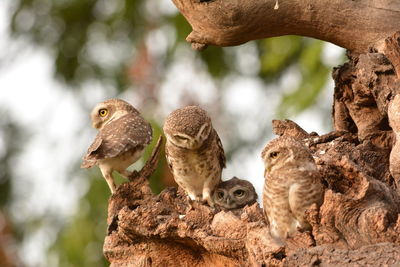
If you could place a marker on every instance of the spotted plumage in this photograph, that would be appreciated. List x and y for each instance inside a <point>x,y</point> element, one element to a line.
<point>194,152</point>
<point>123,135</point>
<point>292,184</point>
<point>234,193</point>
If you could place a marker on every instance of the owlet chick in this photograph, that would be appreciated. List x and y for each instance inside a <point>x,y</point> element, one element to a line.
<point>123,135</point>
<point>194,152</point>
<point>292,184</point>
<point>234,193</point>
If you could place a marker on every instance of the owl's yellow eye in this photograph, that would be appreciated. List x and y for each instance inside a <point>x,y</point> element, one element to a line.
<point>239,193</point>
<point>273,155</point>
<point>220,194</point>
<point>103,112</point>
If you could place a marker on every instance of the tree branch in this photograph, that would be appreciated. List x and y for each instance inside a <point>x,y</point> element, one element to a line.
<point>354,25</point>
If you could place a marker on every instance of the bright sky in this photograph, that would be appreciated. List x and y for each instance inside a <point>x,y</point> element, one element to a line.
<point>60,132</point>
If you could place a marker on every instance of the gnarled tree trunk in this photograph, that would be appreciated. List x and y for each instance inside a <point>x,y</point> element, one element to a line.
<point>358,223</point>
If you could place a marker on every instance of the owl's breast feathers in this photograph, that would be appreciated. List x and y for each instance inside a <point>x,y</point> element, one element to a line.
<point>199,155</point>
<point>130,132</point>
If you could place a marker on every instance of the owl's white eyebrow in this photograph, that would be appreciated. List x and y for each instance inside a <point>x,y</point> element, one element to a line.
<point>201,130</point>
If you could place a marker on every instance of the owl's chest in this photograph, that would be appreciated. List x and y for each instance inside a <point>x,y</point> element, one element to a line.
<point>283,183</point>
<point>190,164</point>
<point>124,160</point>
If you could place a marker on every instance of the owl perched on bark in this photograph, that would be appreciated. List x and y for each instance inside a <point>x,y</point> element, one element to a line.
<point>292,185</point>
<point>123,135</point>
<point>194,152</point>
<point>234,193</point>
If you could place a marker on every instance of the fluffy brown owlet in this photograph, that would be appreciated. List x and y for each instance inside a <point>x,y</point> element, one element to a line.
<point>123,135</point>
<point>194,152</point>
<point>292,184</point>
<point>234,193</point>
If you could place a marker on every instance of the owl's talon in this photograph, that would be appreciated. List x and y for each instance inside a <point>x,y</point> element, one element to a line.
<point>189,208</point>
<point>190,205</point>
<point>208,201</point>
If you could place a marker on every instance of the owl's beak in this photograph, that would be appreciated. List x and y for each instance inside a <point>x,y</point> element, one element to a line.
<point>228,200</point>
<point>195,144</point>
<point>96,124</point>
<point>267,169</point>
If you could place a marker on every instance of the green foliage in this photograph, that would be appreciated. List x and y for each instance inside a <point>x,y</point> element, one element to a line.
<point>280,53</point>
<point>10,137</point>
<point>155,180</point>
<point>276,54</point>
<point>314,76</point>
<point>181,27</point>
<point>75,31</point>
<point>80,241</point>
<point>216,62</point>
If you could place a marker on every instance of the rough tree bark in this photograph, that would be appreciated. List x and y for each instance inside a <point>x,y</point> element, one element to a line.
<point>354,25</point>
<point>358,223</point>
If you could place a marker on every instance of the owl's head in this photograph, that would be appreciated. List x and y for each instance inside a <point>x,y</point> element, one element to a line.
<point>283,152</point>
<point>110,110</point>
<point>188,127</point>
<point>234,193</point>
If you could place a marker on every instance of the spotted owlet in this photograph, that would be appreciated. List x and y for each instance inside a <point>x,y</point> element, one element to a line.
<point>234,193</point>
<point>194,152</point>
<point>123,135</point>
<point>292,185</point>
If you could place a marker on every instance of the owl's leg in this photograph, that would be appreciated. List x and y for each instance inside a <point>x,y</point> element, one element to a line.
<point>209,186</point>
<point>207,197</point>
<point>107,174</point>
<point>191,198</point>
<point>276,233</point>
<point>190,205</point>
<point>302,226</point>
<point>110,181</point>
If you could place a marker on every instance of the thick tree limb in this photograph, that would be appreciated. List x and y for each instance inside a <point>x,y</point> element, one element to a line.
<point>354,25</point>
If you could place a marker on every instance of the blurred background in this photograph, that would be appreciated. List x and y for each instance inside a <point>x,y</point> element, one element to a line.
<point>59,58</point>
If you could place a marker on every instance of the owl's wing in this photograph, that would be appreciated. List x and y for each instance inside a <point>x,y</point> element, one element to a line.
<point>88,161</point>
<point>220,151</point>
<point>169,162</point>
<point>126,133</point>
